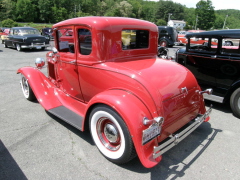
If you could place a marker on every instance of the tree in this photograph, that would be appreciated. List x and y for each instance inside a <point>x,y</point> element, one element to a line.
<point>164,8</point>
<point>7,9</point>
<point>45,7</point>
<point>189,18</point>
<point>25,11</point>
<point>161,22</point>
<point>205,15</point>
<point>59,14</point>
<point>125,8</point>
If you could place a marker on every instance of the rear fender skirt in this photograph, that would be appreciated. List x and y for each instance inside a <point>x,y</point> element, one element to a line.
<point>132,110</point>
<point>43,89</point>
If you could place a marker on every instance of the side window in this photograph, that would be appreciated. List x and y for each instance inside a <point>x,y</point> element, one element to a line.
<point>85,41</point>
<point>163,31</point>
<point>230,46</point>
<point>204,45</point>
<point>66,40</point>
<point>135,39</point>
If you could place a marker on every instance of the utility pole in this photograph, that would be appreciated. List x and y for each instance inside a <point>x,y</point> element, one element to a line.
<point>169,14</point>
<point>75,9</point>
<point>225,21</point>
<point>196,22</point>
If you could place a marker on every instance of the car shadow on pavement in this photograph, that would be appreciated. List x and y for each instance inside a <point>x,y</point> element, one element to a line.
<point>84,135</point>
<point>224,107</point>
<point>9,168</point>
<point>180,158</point>
<point>174,162</point>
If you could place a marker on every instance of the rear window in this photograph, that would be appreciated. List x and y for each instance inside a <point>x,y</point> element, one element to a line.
<point>135,39</point>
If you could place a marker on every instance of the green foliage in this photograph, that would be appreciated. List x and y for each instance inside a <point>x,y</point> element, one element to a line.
<point>169,10</point>
<point>25,11</point>
<point>53,11</point>
<point>161,22</point>
<point>205,15</point>
<point>9,23</point>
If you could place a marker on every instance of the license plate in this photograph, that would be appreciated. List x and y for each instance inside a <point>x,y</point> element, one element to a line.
<point>38,47</point>
<point>150,133</point>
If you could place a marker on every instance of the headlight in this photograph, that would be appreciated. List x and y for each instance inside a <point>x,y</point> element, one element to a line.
<point>40,62</point>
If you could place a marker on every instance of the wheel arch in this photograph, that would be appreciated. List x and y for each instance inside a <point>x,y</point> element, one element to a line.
<point>41,87</point>
<point>234,86</point>
<point>132,110</point>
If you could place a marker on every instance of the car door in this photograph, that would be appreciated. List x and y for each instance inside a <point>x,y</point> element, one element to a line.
<point>67,64</point>
<point>201,60</point>
<point>228,65</point>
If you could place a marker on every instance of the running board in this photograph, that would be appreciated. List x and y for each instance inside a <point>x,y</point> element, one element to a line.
<point>68,116</point>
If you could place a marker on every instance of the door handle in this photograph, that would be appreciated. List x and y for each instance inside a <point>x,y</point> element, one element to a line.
<point>72,62</point>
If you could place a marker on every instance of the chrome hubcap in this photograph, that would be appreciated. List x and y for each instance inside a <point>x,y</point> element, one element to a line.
<point>111,133</point>
<point>108,134</point>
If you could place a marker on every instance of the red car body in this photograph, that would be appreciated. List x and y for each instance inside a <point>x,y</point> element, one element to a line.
<point>4,34</point>
<point>131,81</point>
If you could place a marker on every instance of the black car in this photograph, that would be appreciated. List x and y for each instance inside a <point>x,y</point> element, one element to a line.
<point>216,64</point>
<point>47,32</point>
<point>168,36</point>
<point>26,38</point>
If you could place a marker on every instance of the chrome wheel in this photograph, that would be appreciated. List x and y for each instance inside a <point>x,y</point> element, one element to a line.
<point>163,43</point>
<point>18,47</point>
<point>26,89</point>
<point>5,45</point>
<point>111,135</point>
<point>108,134</point>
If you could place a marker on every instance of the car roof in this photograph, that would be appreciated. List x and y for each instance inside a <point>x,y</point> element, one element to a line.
<point>216,34</point>
<point>104,22</point>
<point>22,28</point>
<point>165,27</point>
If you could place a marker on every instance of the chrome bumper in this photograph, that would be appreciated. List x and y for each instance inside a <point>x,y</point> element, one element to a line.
<point>37,46</point>
<point>174,139</point>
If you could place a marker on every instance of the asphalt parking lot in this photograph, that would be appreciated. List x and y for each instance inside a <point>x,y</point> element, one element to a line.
<point>37,145</point>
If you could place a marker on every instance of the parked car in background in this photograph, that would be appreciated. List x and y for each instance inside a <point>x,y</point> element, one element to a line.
<point>4,34</point>
<point>168,36</point>
<point>216,64</point>
<point>133,102</point>
<point>183,40</point>
<point>26,38</point>
<point>47,32</point>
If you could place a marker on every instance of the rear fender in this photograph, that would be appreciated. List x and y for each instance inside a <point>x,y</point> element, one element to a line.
<point>132,110</point>
<point>42,87</point>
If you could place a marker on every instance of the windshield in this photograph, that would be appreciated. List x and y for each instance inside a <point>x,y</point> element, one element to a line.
<point>28,31</point>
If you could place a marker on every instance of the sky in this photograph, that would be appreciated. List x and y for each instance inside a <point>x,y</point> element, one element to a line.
<point>218,4</point>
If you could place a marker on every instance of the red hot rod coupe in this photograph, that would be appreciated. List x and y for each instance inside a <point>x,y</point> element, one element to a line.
<point>133,102</point>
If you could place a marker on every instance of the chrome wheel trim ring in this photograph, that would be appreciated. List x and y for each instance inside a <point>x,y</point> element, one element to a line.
<point>115,148</point>
<point>25,87</point>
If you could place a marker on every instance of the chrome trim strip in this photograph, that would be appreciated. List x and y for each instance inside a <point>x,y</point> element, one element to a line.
<point>213,98</point>
<point>176,138</point>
